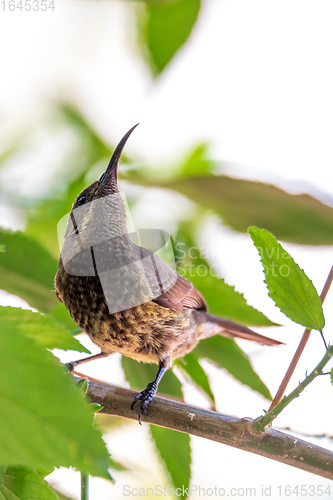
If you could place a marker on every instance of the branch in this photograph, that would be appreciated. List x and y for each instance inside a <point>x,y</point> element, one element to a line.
<point>217,427</point>
<point>260,423</point>
<point>300,349</point>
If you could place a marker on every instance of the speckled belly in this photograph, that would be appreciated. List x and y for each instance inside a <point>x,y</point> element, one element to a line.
<point>147,332</point>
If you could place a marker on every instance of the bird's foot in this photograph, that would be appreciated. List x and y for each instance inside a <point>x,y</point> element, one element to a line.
<point>145,397</point>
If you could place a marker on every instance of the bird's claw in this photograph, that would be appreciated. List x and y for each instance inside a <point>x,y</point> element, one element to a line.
<point>145,396</point>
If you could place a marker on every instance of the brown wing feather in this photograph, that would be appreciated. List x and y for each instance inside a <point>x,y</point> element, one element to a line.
<point>182,295</point>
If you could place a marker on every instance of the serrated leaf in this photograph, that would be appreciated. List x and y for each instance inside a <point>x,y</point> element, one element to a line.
<point>45,472</point>
<point>292,291</point>
<point>175,452</point>
<point>222,299</point>
<point>27,270</point>
<point>193,371</point>
<point>43,329</point>
<point>168,25</point>
<point>24,483</point>
<point>225,353</point>
<point>140,374</point>
<point>45,422</point>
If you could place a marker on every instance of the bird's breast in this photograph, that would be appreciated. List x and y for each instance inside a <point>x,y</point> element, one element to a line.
<point>146,332</point>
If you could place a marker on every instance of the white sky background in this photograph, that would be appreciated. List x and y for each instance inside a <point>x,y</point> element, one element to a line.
<point>255,81</point>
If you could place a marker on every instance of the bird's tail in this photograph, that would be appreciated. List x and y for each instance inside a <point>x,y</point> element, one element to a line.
<point>212,325</point>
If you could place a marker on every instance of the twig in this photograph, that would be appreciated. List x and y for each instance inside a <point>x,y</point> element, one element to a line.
<point>260,423</point>
<point>299,350</point>
<point>221,428</point>
<point>84,486</point>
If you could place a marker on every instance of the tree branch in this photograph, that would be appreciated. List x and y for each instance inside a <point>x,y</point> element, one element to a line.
<point>261,422</point>
<point>300,349</point>
<point>217,427</point>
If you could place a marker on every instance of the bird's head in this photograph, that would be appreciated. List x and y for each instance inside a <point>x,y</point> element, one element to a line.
<point>98,213</point>
<point>108,182</point>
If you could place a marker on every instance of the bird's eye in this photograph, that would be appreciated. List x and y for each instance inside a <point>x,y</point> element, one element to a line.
<point>81,200</point>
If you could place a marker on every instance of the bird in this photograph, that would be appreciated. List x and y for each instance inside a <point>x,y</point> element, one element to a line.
<point>123,295</point>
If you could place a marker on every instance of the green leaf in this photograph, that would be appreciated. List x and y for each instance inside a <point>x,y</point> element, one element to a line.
<point>95,407</point>
<point>43,329</point>
<point>61,315</point>
<point>196,163</point>
<point>82,384</point>
<point>222,299</point>
<point>61,496</point>
<point>294,218</point>
<point>168,25</point>
<point>27,270</point>
<point>292,291</point>
<point>70,115</point>
<point>192,369</point>
<point>140,374</point>
<point>173,447</point>
<point>175,452</point>
<point>44,216</point>
<point>225,353</point>
<point>332,376</point>
<point>45,472</point>
<point>44,420</point>
<point>24,483</point>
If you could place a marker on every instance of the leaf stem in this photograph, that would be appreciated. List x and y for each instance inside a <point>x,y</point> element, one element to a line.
<point>260,423</point>
<point>299,350</point>
<point>84,486</point>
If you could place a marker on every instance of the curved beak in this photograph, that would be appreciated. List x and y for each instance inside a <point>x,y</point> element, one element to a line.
<point>111,171</point>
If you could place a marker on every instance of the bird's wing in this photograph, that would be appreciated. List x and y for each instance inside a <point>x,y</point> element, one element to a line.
<point>182,295</point>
